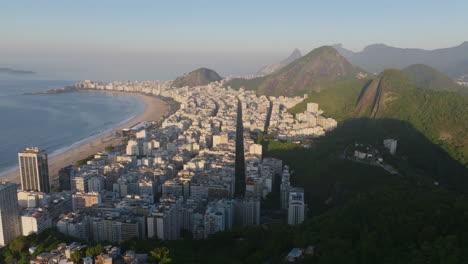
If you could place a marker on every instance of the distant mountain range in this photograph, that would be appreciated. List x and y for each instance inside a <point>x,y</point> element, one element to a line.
<point>14,71</point>
<point>271,68</point>
<point>378,57</point>
<point>201,76</point>
<point>309,73</point>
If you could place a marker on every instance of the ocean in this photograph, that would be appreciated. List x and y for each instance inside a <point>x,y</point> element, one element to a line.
<point>55,122</point>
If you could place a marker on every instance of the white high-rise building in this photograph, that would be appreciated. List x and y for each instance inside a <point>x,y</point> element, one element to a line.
<point>214,222</point>
<point>220,139</point>
<point>34,170</point>
<point>312,107</point>
<point>75,225</point>
<point>219,216</point>
<point>296,208</point>
<point>29,199</point>
<point>133,147</point>
<point>35,220</point>
<point>148,147</point>
<point>166,221</point>
<point>256,149</point>
<point>147,187</point>
<point>10,226</point>
<point>79,183</point>
<point>391,145</point>
<point>141,134</point>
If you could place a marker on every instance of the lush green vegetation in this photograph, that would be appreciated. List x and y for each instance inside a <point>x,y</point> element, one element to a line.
<point>324,174</point>
<point>109,148</point>
<point>427,77</point>
<point>198,77</point>
<point>18,247</point>
<point>440,116</point>
<point>402,224</point>
<point>337,100</point>
<point>82,162</point>
<point>247,84</point>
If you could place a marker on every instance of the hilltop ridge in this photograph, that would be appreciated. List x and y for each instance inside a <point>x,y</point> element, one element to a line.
<point>427,77</point>
<point>375,58</point>
<point>309,73</point>
<point>198,77</point>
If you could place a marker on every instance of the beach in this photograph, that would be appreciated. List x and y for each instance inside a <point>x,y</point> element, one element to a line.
<point>155,109</point>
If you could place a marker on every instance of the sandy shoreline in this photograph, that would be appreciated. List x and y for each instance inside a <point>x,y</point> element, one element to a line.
<point>154,111</point>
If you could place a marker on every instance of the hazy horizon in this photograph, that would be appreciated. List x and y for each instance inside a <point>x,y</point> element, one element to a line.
<point>160,40</point>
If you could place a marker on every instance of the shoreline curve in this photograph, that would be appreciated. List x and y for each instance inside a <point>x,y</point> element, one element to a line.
<point>155,110</point>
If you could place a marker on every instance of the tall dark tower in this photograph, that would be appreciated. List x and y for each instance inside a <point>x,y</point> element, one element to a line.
<point>239,188</point>
<point>34,170</point>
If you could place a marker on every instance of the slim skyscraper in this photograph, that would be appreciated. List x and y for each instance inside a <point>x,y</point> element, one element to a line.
<point>34,170</point>
<point>10,226</point>
<point>296,208</point>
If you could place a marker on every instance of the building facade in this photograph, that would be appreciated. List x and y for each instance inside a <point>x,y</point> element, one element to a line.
<point>34,170</point>
<point>296,208</point>
<point>10,226</point>
<point>82,200</point>
<point>35,220</point>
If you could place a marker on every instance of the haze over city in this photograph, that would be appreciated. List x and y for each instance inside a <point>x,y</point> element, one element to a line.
<point>163,39</point>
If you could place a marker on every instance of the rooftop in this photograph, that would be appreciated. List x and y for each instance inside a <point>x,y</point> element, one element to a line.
<point>32,150</point>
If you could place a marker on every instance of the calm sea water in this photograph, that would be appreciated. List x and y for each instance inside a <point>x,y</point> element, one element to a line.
<point>57,121</point>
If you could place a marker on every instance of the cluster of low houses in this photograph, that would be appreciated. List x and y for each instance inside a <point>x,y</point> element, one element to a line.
<point>111,254</point>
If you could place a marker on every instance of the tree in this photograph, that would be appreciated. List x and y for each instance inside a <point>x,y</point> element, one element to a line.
<point>77,256</point>
<point>161,255</point>
<point>18,244</point>
<point>109,148</point>
<point>93,252</point>
<point>23,259</point>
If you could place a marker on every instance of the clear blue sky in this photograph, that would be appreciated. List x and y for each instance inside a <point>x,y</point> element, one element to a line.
<point>160,39</point>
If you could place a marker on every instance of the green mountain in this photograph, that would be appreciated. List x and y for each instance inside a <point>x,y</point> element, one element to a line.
<point>440,116</point>
<point>338,100</point>
<point>427,77</point>
<point>312,72</point>
<point>201,76</point>
<point>375,58</point>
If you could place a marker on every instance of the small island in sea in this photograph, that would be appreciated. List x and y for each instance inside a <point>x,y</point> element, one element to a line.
<point>14,71</point>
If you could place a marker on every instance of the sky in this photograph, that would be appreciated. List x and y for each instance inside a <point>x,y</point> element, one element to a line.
<point>159,40</point>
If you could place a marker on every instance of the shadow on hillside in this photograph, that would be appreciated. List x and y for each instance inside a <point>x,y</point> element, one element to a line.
<point>329,179</point>
<point>363,90</point>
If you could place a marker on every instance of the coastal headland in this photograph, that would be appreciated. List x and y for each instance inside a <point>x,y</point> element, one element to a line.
<point>155,110</point>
